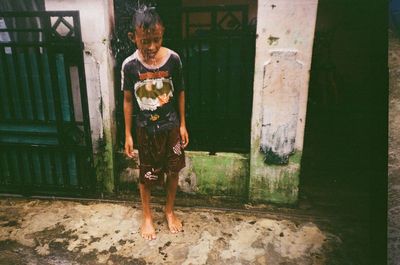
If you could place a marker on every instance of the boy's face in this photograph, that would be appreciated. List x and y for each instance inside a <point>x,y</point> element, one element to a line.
<point>148,41</point>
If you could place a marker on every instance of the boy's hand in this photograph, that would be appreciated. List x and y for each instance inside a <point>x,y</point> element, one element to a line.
<point>184,136</point>
<point>129,146</point>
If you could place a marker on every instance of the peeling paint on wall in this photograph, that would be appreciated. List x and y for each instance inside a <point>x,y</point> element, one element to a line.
<point>281,96</point>
<point>280,89</point>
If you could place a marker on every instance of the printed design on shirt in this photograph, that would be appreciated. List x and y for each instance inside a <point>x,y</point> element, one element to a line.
<point>150,176</point>
<point>153,90</point>
<point>177,148</point>
<point>153,75</point>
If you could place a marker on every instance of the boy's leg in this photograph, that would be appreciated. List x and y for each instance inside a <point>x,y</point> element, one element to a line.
<point>147,229</point>
<point>174,224</point>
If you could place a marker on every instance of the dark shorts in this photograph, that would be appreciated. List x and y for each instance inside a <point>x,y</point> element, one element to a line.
<point>159,153</point>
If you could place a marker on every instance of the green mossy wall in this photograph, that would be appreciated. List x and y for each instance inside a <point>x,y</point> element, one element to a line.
<point>103,164</point>
<point>223,174</point>
<point>275,183</point>
<point>227,174</point>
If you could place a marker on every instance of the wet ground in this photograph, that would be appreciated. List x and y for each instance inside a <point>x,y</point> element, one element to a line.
<point>94,232</point>
<point>394,151</point>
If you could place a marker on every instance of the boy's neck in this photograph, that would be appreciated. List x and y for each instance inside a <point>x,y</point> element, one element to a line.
<point>158,58</point>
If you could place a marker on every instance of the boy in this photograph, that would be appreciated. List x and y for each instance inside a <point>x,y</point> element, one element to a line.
<point>153,75</point>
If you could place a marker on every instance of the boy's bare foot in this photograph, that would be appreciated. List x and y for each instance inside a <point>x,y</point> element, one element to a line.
<point>174,224</point>
<point>147,230</point>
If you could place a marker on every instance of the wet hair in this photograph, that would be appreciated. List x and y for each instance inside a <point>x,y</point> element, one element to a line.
<point>146,17</point>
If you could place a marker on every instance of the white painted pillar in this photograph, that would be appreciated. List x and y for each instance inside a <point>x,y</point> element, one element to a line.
<point>97,21</point>
<point>285,34</point>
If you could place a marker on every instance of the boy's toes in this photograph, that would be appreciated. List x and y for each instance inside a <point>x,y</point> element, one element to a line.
<point>176,229</point>
<point>173,230</point>
<point>149,236</point>
<point>174,224</point>
<point>147,231</point>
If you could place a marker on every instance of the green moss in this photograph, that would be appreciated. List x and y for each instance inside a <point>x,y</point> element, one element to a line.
<point>280,187</point>
<point>223,174</point>
<point>296,157</point>
<point>274,183</point>
<point>103,163</point>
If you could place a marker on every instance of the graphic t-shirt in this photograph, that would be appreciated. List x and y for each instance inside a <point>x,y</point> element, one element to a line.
<point>148,84</point>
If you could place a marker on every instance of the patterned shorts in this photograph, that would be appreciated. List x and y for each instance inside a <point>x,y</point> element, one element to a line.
<point>159,154</point>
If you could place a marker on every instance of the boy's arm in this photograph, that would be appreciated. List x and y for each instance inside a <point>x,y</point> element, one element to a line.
<point>128,110</point>
<point>183,131</point>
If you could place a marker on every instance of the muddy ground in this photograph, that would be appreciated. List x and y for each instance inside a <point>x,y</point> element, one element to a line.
<point>90,232</point>
<point>58,232</point>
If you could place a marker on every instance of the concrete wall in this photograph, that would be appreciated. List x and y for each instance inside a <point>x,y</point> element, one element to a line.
<point>97,18</point>
<point>285,32</point>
